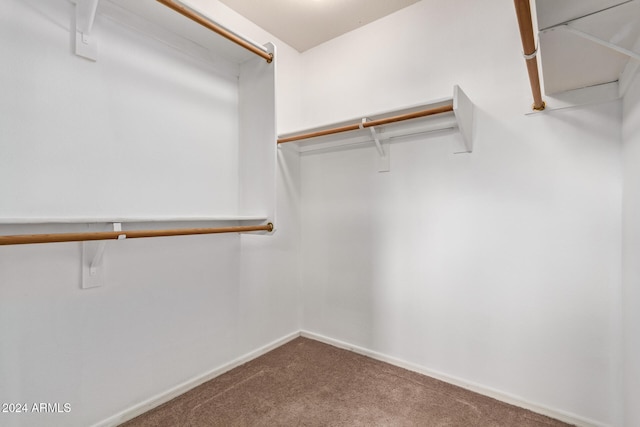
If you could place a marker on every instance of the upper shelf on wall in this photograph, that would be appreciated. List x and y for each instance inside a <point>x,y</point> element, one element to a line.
<point>455,112</point>
<point>160,137</point>
<point>588,46</point>
<point>155,19</point>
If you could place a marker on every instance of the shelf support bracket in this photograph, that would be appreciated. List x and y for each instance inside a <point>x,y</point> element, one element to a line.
<point>93,272</point>
<point>97,259</point>
<point>383,159</point>
<point>86,46</point>
<point>630,70</point>
<point>601,42</point>
<point>374,135</point>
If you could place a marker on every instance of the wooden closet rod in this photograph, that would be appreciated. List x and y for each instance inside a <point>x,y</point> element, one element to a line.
<point>207,23</point>
<point>378,122</point>
<point>24,239</point>
<point>523,12</point>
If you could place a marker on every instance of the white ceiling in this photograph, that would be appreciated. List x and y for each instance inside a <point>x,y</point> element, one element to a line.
<point>304,24</point>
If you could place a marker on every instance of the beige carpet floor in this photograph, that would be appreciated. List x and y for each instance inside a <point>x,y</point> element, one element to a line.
<point>308,383</point>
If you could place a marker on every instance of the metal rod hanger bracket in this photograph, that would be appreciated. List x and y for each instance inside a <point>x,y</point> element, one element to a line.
<point>531,55</point>
<point>383,159</point>
<point>93,272</point>
<point>86,46</point>
<point>374,135</point>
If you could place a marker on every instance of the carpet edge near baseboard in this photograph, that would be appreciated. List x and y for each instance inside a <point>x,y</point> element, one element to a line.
<point>510,399</point>
<point>157,400</point>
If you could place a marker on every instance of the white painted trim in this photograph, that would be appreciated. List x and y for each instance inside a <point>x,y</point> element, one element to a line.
<point>477,388</point>
<point>176,391</point>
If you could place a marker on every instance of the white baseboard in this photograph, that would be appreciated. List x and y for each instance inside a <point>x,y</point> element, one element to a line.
<point>164,397</point>
<point>174,392</point>
<point>477,388</point>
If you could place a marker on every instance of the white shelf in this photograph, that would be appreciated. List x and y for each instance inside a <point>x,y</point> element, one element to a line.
<point>133,219</point>
<point>587,43</point>
<point>158,21</point>
<point>141,132</point>
<point>461,118</point>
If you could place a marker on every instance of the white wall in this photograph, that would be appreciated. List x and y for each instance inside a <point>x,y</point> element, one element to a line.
<point>76,136</point>
<point>631,254</point>
<point>172,309</point>
<point>499,268</point>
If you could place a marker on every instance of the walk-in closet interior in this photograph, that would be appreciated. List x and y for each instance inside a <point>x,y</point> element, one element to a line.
<point>450,188</point>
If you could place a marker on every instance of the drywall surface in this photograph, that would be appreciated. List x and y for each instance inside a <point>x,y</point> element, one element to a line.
<point>631,253</point>
<point>92,134</point>
<point>288,63</point>
<point>501,267</point>
<point>172,309</point>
